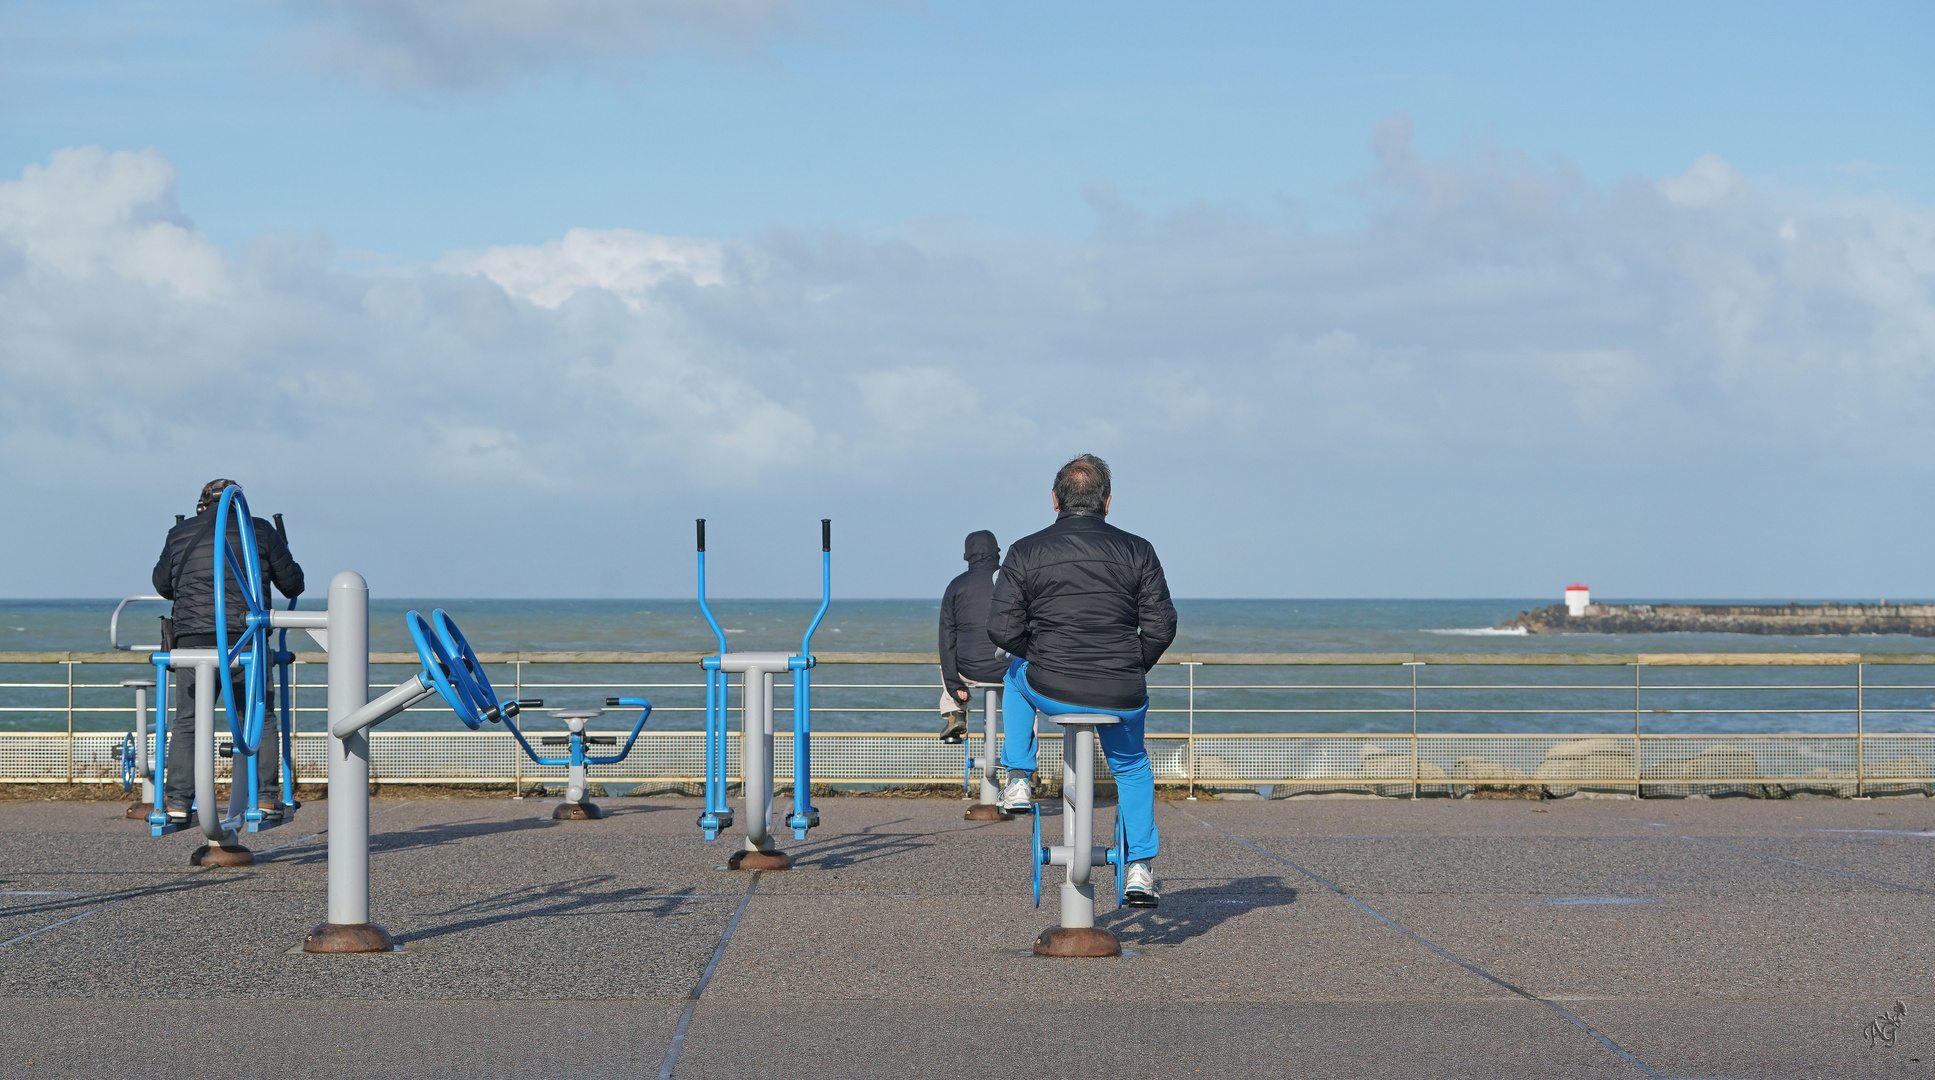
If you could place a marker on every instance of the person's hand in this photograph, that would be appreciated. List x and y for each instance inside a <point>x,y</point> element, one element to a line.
<point>961,694</point>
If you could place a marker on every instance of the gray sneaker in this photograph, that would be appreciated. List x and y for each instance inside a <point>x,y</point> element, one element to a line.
<point>1139,890</point>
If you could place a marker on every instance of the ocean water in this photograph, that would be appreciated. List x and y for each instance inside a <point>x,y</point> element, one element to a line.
<point>1226,698</point>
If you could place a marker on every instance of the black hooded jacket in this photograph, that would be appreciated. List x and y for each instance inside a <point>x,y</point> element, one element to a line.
<point>1087,606</point>
<point>966,652</point>
<point>185,573</point>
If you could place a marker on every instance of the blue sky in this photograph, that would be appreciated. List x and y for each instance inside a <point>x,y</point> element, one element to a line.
<point>1373,299</point>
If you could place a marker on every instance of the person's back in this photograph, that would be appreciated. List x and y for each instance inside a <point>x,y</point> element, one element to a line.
<point>1086,604</point>
<point>1084,610</point>
<point>966,653</point>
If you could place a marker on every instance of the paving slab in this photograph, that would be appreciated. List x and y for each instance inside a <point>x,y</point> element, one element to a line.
<point>1333,938</point>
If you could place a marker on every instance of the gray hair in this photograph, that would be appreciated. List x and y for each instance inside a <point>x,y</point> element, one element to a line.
<point>1082,486</point>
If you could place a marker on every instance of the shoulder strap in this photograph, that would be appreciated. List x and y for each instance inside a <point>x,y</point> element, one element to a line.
<point>181,560</point>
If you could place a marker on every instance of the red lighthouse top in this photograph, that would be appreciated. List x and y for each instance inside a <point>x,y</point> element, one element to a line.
<point>1569,588</point>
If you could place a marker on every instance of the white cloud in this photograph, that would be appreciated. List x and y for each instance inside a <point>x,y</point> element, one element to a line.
<point>624,262</point>
<point>460,44</point>
<point>1493,321</point>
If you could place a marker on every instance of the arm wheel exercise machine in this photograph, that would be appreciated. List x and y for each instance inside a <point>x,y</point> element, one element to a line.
<point>756,671</point>
<point>250,652</point>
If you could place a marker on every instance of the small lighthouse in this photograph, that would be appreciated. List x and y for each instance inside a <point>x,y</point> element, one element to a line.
<point>1576,599</point>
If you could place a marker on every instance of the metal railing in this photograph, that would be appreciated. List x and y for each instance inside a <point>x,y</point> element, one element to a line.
<point>1419,724</point>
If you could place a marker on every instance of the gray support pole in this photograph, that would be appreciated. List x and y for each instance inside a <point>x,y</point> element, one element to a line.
<point>990,761</point>
<point>142,748</point>
<point>1078,826</point>
<point>348,928</point>
<point>756,756</point>
<point>206,810</point>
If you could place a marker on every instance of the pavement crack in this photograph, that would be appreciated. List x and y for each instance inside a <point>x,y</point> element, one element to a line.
<point>1563,1012</point>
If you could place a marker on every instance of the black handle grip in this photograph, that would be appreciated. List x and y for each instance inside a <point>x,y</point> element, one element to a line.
<point>281,532</point>
<point>179,518</point>
<point>826,534</point>
<point>530,703</point>
<point>611,703</point>
<point>701,534</point>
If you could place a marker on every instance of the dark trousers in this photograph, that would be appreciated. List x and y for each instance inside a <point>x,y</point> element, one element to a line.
<point>178,787</point>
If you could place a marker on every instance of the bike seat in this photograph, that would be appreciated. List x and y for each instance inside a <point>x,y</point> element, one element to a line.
<point>1073,719</point>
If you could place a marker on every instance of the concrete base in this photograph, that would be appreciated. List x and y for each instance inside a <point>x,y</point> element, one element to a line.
<point>138,811</point>
<point>1077,941</point>
<point>348,938</point>
<point>580,811</point>
<point>986,812</point>
<point>221,855</point>
<point>759,860</point>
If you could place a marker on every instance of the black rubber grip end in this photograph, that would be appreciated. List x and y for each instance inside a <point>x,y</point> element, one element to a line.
<point>826,534</point>
<point>701,534</point>
<point>530,703</point>
<point>612,703</point>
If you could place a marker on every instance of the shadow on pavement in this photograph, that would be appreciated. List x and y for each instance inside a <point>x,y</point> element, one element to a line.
<point>574,898</point>
<point>863,846</point>
<point>1192,912</point>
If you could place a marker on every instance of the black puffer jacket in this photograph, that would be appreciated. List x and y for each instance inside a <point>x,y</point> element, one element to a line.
<point>966,652</point>
<point>187,576</point>
<point>1087,606</point>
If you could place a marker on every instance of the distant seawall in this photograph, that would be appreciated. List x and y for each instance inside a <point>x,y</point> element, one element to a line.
<point>1802,619</point>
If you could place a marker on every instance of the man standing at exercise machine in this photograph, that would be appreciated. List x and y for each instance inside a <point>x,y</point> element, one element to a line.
<point>185,573</point>
<point>966,653</point>
<point>1083,609</point>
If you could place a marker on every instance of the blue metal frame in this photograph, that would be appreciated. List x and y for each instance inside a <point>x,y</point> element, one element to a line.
<point>245,727</point>
<point>1041,853</point>
<point>157,818</point>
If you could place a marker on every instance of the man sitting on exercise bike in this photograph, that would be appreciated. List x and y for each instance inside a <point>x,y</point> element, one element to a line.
<point>1083,609</point>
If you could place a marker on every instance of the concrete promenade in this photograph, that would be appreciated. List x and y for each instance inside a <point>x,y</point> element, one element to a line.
<point>1296,938</point>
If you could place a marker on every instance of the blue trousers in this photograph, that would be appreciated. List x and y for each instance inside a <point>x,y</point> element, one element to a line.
<point>1135,781</point>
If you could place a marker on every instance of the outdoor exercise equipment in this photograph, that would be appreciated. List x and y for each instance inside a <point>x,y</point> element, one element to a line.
<point>135,763</point>
<point>240,563</point>
<point>988,806</point>
<point>576,807</point>
<point>756,671</point>
<point>1077,935</point>
<point>447,668</point>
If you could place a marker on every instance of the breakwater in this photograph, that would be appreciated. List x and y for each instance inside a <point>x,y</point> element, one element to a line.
<point>1795,619</point>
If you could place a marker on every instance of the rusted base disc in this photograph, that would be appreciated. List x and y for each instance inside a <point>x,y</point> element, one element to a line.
<point>1077,941</point>
<point>759,860</point>
<point>218,855</point>
<point>577,811</point>
<point>348,937</point>
<point>986,812</point>
<point>138,811</point>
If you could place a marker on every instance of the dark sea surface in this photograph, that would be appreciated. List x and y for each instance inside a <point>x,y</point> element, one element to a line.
<point>1227,698</point>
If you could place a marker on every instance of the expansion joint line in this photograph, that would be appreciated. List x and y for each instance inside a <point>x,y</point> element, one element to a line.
<point>1563,1012</point>
<point>677,1045</point>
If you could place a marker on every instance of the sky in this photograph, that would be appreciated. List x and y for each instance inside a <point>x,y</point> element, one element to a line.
<point>493,297</point>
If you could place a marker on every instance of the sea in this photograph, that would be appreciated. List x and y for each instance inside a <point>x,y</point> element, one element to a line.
<point>1469,697</point>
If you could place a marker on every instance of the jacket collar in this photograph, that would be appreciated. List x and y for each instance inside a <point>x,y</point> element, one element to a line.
<point>1066,514</point>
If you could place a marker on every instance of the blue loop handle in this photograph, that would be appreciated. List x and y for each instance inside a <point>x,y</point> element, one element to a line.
<point>1041,854</point>
<point>1119,858</point>
<point>127,763</point>
<point>246,569</point>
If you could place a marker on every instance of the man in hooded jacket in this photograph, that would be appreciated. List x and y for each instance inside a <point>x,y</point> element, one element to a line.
<point>966,653</point>
<point>185,573</point>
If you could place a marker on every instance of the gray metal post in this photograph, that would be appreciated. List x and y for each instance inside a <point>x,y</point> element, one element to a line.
<point>990,761</point>
<point>756,756</point>
<point>1078,828</point>
<point>206,810</point>
<point>348,928</point>
<point>143,747</point>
